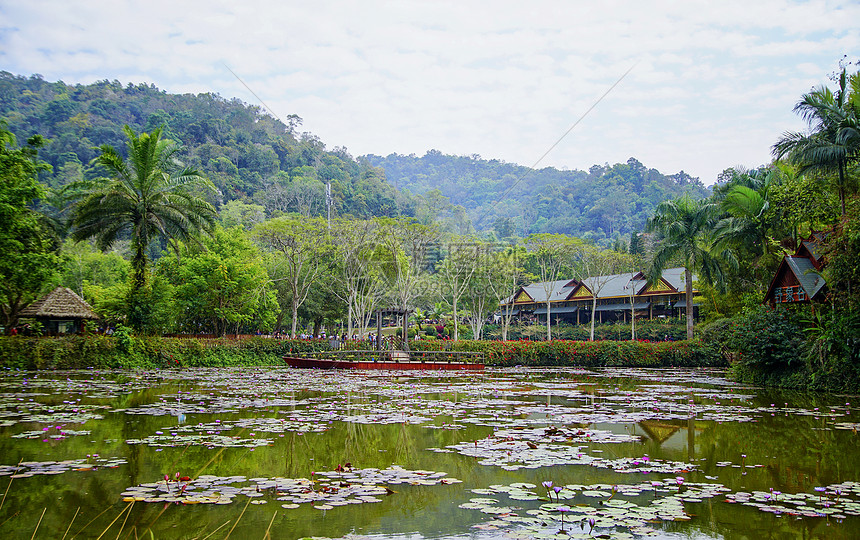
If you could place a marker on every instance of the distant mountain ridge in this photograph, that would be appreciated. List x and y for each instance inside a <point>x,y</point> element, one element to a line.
<point>603,203</point>
<point>254,158</point>
<point>249,155</point>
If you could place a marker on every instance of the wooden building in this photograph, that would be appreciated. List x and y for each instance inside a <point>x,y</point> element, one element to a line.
<point>60,312</point>
<point>798,278</point>
<point>618,296</point>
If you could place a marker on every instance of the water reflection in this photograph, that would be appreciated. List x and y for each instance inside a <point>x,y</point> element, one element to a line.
<point>572,427</point>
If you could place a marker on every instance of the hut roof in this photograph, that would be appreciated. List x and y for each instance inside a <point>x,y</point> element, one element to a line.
<point>61,303</point>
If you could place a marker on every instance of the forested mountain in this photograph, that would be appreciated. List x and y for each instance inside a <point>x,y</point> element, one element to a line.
<point>603,203</point>
<point>254,158</point>
<point>247,154</point>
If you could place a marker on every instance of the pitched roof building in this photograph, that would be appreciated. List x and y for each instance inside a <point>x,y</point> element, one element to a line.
<point>798,278</point>
<point>61,312</point>
<point>571,300</point>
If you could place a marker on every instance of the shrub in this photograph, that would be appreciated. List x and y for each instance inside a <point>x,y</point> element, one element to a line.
<point>584,353</point>
<point>127,351</point>
<point>767,338</point>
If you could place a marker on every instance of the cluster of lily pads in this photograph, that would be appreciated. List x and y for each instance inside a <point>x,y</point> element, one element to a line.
<point>586,510</point>
<point>533,424</point>
<point>199,439</point>
<point>836,500</point>
<point>324,490</point>
<point>26,469</point>
<point>525,449</point>
<point>215,434</point>
<point>53,432</point>
<point>41,413</point>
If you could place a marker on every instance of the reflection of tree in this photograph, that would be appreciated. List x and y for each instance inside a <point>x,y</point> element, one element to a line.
<point>797,451</point>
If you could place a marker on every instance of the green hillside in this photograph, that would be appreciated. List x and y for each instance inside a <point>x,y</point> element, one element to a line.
<point>605,202</point>
<point>254,158</point>
<point>247,154</point>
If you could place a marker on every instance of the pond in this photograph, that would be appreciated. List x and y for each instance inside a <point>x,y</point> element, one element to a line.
<point>508,453</point>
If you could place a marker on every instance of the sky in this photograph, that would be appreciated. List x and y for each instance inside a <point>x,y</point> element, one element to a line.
<point>708,85</point>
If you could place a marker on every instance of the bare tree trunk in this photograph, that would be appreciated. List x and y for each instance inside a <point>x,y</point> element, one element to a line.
<point>506,321</point>
<point>349,314</point>
<point>689,296</point>
<point>593,311</point>
<point>632,321</point>
<point>632,309</point>
<point>548,323</point>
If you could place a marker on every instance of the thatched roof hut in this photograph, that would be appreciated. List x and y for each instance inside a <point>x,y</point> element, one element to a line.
<point>61,312</point>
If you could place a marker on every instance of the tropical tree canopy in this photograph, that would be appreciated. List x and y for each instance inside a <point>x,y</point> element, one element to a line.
<point>684,227</point>
<point>28,252</point>
<point>148,195</point>
<point>750,227</point>
<point>833,141</point>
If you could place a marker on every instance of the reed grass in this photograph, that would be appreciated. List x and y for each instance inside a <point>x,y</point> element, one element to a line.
<point>71,523</point>
<point>216,530</point>
<point>269,528</point>
<point>114,520</point>
<point>7,487</point>
<point>40,522</point>
<point>239,519</point>
<point>124,520</point>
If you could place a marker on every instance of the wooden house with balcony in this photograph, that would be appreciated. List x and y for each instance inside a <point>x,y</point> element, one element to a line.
<point>798,278</point>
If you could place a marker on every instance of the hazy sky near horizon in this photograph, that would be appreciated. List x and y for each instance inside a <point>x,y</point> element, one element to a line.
<point>712,84</point>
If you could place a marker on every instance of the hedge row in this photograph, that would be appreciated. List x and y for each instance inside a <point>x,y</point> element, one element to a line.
<point>655,330</point>
<point>126,351</point>
<point>583,353</point>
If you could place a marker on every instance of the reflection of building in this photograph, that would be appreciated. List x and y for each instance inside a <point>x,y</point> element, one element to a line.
<point>798,278</point>
<point>60,312</point>
<point>570,300</point>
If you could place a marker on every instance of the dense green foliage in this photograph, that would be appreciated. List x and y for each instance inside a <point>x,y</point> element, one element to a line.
<point>780,347</point>
<point>584,353</point>
<point>221,285</point>
<point>247,154</point>
<point>603,203</point>
<point>767,339</point>
<point>28,256</point>
<point>655,330</point>
<point>123,350</point>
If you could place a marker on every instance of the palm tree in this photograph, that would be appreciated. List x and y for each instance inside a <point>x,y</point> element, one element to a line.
<point>684,226</point>
<point>418,317</point>
<point>149,195</point>
<point>748,225</point>
<point>833,142</point>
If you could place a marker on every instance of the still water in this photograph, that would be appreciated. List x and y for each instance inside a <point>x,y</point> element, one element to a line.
<point>513,453</point>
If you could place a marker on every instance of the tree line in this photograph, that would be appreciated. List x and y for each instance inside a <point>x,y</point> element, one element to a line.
<point>253,158</point>
<point>143,237</point>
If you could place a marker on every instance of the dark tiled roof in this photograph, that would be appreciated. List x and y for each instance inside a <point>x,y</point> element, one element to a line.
<point>806,274</point>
